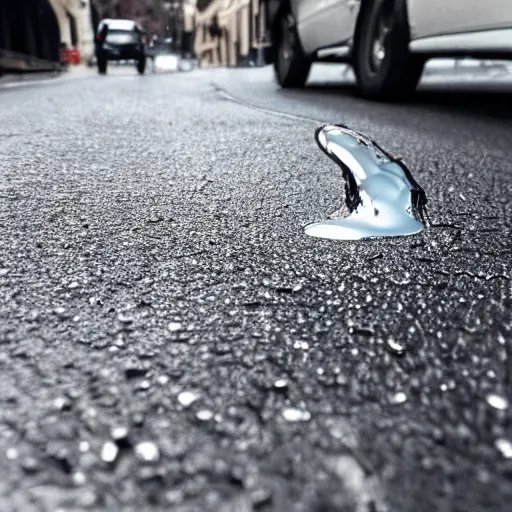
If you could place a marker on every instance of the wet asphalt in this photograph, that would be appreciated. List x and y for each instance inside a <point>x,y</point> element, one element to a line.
<point>172,340</point>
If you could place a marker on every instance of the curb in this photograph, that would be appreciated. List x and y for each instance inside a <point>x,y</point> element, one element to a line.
<point>33,76</point>
<point>14,80</point>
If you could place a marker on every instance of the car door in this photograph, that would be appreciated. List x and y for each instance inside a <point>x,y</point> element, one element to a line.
<point>323,23</point>
<point>430,18</point>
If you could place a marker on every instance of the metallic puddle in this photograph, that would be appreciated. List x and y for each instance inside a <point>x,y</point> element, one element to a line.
<point>382,196</point>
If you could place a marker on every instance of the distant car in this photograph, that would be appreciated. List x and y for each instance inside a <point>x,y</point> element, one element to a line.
<point>163,54</point>
<point>119,40</point>
<point>160,46</point>
<point>386,41</point>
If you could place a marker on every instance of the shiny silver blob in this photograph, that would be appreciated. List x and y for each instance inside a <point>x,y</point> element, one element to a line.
<point>382,196</point>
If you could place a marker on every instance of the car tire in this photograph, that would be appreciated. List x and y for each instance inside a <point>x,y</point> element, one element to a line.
<point>384,67</point>
<point>291,65</point>
<point>141,66</point>
<point>102,66</point>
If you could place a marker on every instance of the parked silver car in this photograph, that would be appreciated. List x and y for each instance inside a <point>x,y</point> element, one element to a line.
<point>386,41</point>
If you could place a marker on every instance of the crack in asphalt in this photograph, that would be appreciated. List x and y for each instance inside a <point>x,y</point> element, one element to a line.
<point>226,95</point>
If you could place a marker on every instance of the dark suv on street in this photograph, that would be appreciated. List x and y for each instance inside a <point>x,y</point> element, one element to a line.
<point>120,40</point>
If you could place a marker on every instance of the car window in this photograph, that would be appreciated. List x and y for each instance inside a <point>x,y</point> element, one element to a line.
<point>122,37</point>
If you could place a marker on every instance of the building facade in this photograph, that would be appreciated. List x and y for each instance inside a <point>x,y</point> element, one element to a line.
<point>27,29</point>
<point>75,25</point>
<point>32,31</point>
<point>230,32</point>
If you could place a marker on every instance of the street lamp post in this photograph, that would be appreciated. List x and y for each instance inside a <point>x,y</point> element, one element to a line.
<point>174,10</point>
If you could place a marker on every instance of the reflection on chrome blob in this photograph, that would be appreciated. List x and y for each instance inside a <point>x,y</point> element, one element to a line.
<point>382,196</point>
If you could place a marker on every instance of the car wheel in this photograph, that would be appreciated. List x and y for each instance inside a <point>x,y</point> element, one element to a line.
<point>102,66</point>
<point>291,65</point>
<point>141,66</point>
<point>384,67</point>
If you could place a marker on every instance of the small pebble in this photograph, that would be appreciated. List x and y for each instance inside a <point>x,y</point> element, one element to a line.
<point>187,398</point>
<point>504,446</point>
<point>147,451</point>
<point>294,415</point>
<point>174,326</point>
<point>30,464</point>
<point>84,446</point>
<point>395,347</point>
<point>162,380</point>
<point>204,415</point>
<point>62,403</point>
<point>138,419</point>
<point>109,452</point>
<point>125,318</point>
<point>144,385</point>
<point>398,398</point>
<point>497,401</point>
<point>119,433</point>
<point>281,384</point>
<point>79,478</point>
<point>12,453</point>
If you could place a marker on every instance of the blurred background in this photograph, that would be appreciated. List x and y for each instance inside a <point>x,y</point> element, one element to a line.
<point>57,35</point>
<point>48,34</point>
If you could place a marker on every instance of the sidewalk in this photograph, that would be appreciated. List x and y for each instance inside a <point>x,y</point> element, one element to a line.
<point>20,79</point>
<point>436,71</point>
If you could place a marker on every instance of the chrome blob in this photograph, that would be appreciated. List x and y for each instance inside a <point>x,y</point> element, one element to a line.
<point>382,196</point>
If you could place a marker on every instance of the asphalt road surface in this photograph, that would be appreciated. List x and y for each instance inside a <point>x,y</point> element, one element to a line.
<point>172,340</point>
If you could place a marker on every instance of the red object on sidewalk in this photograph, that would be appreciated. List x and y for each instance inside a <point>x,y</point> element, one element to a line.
<point>75,56</point>
<point>70,56</point>
<point>64,56</point>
